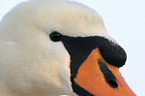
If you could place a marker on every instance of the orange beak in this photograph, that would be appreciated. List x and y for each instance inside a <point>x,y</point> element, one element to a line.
<point>91,78</point>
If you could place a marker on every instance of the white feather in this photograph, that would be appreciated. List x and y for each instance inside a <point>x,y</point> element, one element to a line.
<point>30,63</point>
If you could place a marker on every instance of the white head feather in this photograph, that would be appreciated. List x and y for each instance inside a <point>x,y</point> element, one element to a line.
<point>30,63</point>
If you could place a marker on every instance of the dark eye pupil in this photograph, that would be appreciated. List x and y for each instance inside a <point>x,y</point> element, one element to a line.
<point>55,36</point>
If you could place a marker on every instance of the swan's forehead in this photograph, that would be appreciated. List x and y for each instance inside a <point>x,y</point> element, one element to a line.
<point>77,22</point>
<point>75,19</point>
<point>66,17</point>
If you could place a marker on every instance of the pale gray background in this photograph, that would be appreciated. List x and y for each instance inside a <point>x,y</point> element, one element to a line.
<point>125,22</point>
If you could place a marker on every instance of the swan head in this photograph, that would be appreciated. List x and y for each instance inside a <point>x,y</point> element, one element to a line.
<point>45,50</point>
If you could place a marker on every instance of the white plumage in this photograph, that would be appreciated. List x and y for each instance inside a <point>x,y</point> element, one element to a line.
<point>30,63</point>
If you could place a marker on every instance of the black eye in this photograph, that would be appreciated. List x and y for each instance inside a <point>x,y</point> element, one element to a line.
<point>55,36</point>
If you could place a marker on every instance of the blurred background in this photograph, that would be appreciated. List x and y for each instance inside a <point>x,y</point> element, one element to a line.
<point>125,22</point>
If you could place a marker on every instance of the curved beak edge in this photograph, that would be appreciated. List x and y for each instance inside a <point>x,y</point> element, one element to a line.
<point>90,78</point>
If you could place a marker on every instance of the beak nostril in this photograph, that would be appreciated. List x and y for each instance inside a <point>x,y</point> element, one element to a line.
<point>110,78</point>
<point>113,83</point>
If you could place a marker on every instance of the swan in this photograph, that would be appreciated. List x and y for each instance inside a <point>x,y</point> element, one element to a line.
<point>58,47</point>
